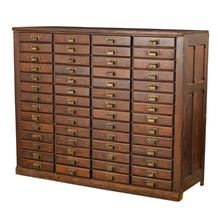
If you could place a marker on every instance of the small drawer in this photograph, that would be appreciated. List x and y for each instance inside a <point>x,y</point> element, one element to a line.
<point>111,136</point>
<point>111,83</point>
<point>39,127</point>
<point>154,64</point>
<point>34,136</point>
<point>72,121</point>
<point>72,141</point>
<point>111,115</point>
<point>35,58</point>
<point>35,47</point>
<point>71,151</point>
<point>111,73</point>
<point>112,51</point>
<point>151,183</point>
<point>152,162</point>
<point>73,111</point>
<point>74,60</point>
<point>37,165</point>
<point>28,77</point>
<point>71,49</point>
<point>111,146</point>
<point>111,40</point>
<point>111,62</point>
<point>35,155</point>
<point>71,90</point>
<point>110,167</point>
<point>72,38</point>
<point>72,171</point>
<point>73,101</point>
<point>42,98</point>
<point>152,151</point>
<point>35,107</point>
<point>153,119</point>
<point>153,86</point>
<point>73,131</point>
<point>111,94</point>
<point>110,177</point>
<point>154,41</point>
<point>73,161</point>
<point>35,117</point>
<point>72,70</point>
<point>35,68</point>
<point>111,105</point>
<point>110,125</point>
<point>37,146</point>
<point>36,87</point>
<point>35,37</point>
<point>72,80</point>
<point>153,75</point>
<point>151,173</point>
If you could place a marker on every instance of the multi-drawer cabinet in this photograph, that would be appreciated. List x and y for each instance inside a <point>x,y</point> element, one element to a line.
<point>118,109</point>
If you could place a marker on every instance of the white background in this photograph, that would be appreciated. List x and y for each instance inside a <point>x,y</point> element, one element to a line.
<point>30,198</point>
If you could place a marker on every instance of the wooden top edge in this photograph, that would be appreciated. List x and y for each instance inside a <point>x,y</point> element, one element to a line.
<point>164,32</point>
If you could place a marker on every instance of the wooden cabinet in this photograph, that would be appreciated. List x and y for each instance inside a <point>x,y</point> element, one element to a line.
<point>117,109</point>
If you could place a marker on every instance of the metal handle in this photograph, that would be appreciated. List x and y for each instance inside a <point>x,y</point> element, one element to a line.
<point>36,137</point>
<point>71,59</point>
<point>71,91</point>
<point>152,86</point>
<point>72,172</point>
<point>73,162</point>
<point>152,141</point>
<point>151,152</point>
<point>35,78</point>
<point>35,108</point>
<point>71,49</point>
<point>110,115</point>
<point>110,73</point>
<point>36,156</point>
<point>150,173</point>
<point>152,53</point>
<point>152,98</point>
<point>150,163</point>
<point>109,178</point>
<point>110,146</point>
<point>152,76</point>
<point>110,94</point>
<point>152,119</point>
<point>71,39</point>
<point>151,109</point>
<point>71,70</point>
<point>34,48</point>
<point>71,151</point>
<point>110,40</point>
<point>71,101</point>
<point>110,126</point>
<point>71,111</point>
<point>35,88</point>
<point>36,166</point>
<point>35,58</point>
<point>110,168</point>
<point>150,184</point>
<point>154,65</point>
<point>154,42</point>
<point>152,131</point>
<point>36,146</point>
<point>111,62</point>
<point>110,84</point>
<point>35,37</point>
<point>35,68</point>
<point>110,104</point>
<point>71,131</point>
<point>71,80</point>
<point>35,98</point>
<point>109,157</point>
<point>111,137</point>
<point>72,141</point>
<point>35,127</point>
<point>35,117</point>
<point>72,121</point>
<point>111,52</point>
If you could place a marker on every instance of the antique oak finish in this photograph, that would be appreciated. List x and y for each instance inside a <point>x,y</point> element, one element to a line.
<point>117,109</point>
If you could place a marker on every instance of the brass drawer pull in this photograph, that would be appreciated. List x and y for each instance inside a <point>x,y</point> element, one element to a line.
<point>35,88</point>
<point>71,59</point>
<point>72,141</point>
<point>152,53</point>
<point>110,104</point>
<point>110,40</point>
<point>35,108</point>
<point>150,163</point>
<point>72,172</point>
<point>35,117</point>
<point>111,62</point>
<point>110,115</point>
<point>150,173</point>
<point>110,84</point>
<point>71,49</point>
<point>110,146</point>
<point>110,94</point>
<point>36,146</point>
<point>154,42</point>
<point>35,58</point>
<point>152,86</point>
<point>35,68</point>
<point>35,37</point>
<point>152,98</point>
<point>74,162</point>
<point>111,52</point>
<point>152,76</point>
<point>152,131</point>
<point>36,166</point>
<point>71,101</point>
<point>34,48</point>
<point>36,156</point>
<point>110,168</point>
<point>71,70</point>
<point>110,73</point>
<point>152,119</point>
<point>71,151</point>
<point>152,141</point>
<point>71,91</point>
<point>154,65</point>
<point>151,152</point>
<point>35,98</point>
<point>150,184</point>
<point>71,132</point>
<point>109,178</point>
<point>109,157</point>
<point>111,137</point>
<point>35,78</point>
<point>71,80</point>
<point>71,111</point>
<point>35,127</point>
<point>151,109</point>
<point>71,39</point>
<point>72,121</point>
<point>36,137</point>
<point>110,126</point>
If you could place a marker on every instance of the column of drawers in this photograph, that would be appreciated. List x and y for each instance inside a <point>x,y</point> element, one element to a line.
<point>72,104</point>
<point>153,108</point>
<point>36,85</point>
<point>111,108</point>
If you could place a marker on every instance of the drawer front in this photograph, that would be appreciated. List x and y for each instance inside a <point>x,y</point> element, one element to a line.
<point>111,84</point>
<point>68,59</point>
<point>36,87</point>
<point>111,51</point>
<point>72,80</point>
<point>111,73</point>
<point>35,47</point>
<point>35,155</point>
<point>154,64</point>
<point>37,165</point>
<point>36,58</point>
<point>44,108</point>
<point>72,38</point>
<point>28,77</point>
<point>35,117</point>
<point>111,105</point>
<point>73,111</point>
<point>35,68</point>
<point>36,146</point>
<point>34,136</point>
<point>111,40</point>
<point>73,101</point>
<point>73,161</point>
<point>72,121</point>
<point>71,90</point>
<point>30,97</point>
<point>71,151</point>
<point>72,141</point>
<point>73,131</point>
<point>154,41</point>
<point>111,94</point>
<point>71,49</point>
<point>35,37</point>
<point>111,62</point>
<point>72,70</point>
<point>32,126</point>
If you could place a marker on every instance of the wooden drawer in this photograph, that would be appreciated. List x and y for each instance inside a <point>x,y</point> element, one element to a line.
<point>152,151</point>
<point>111,62</point>
<point>71,49</point>
<point>72,171</point>
<point>72,38</point>
<point>111,40</point>
<point>111,105</point>
<point>35,47</point>
<point>153,86</point>
<point>72,131</point>
<point>32,126</point>
<point>151,162</point>
<point>35,136</point>
<point>153,119</point>
<point>28,77</point>
<point>111,51</point>
<point>72,80</point>
<point>36,87</point>
<point>111,73</point>
<point>155,184</point>
<point>110,177</point>
<point>35,155</point>
<point>72,70</point>
<point>72,141</point>
<point>111,115</point>
<point>154,64</point>
<point>71,151</point>
<point>111,83</point>
<point>153,141</point>
<point>30,97</point>
<point>76,60</point>
<point>111,94</point>
<point>154,41</point>
<point>35,68</point>
<point>37,146</point>
<point>76,111</point>
<point>152,130</point>
<point>35,117</point>
<point>110,125</point>
<point>74,101</point>
<point>151,173</point>
<point>73,121</point>
<point>31,107</point>
<point>37,165</point>
<point>153,75</point>
<point>71,90</point>
<point>73,161</point>
<point>111,146</point>
<point>111,136</point>
<point>35,37</point>
<point>110,167</point>
<point>36,58</point>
